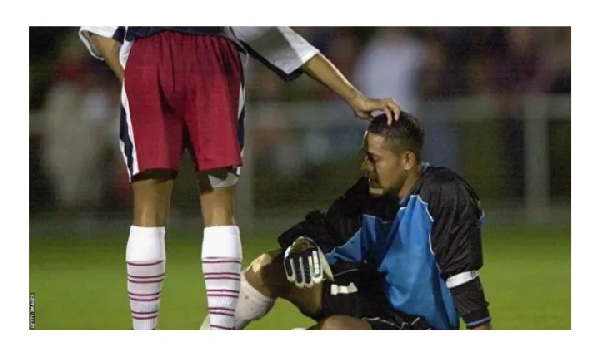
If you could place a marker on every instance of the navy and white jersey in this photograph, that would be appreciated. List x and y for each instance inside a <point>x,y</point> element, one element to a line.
<point>280,48</point>
<point>426,246</point>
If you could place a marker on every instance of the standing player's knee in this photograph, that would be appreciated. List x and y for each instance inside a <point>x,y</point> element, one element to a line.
<point>217,178</point>
<point>152,197</point>
<point>216,198</point>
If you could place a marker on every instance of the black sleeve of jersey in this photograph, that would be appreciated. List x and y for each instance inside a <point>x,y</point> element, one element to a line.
<point>471,304</point>
<point>456,234</point>
<point>456,241</point>
<point>337,225</point>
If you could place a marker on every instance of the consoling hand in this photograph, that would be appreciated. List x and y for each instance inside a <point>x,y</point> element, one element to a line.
<point>363,107</point>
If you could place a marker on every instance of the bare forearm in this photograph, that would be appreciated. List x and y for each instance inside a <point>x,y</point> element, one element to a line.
<point>322,70</point>
<point>109,49</point>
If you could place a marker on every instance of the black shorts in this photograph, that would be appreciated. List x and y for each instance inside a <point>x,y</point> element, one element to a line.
<point>358,292</point>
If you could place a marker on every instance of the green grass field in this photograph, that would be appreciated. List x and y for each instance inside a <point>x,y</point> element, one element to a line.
<point>79,281</point>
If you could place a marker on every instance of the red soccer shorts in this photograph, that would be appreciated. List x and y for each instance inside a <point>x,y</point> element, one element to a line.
<point>180,92</point>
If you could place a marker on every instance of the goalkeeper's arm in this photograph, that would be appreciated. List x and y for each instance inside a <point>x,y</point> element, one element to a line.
<point>334,227</point>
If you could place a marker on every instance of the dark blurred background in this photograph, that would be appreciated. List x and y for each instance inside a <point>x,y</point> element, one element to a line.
<point>495,102</point>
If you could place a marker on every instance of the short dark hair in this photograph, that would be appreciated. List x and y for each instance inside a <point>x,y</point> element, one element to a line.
<point>405,134</point>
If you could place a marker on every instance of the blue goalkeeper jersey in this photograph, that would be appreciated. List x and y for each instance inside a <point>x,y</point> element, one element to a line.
<point>432,244</point>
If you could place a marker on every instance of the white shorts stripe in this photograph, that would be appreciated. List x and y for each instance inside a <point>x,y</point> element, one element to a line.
<point>340,289</point>
<point>241,102</point>
<point>241,121</point>
<point>134,164</point>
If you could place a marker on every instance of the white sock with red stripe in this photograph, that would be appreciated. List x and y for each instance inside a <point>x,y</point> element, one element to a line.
<point>145,257</point>
<point>221,264</point>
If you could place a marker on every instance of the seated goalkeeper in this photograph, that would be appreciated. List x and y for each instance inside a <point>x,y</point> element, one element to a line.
<point>401,249</point>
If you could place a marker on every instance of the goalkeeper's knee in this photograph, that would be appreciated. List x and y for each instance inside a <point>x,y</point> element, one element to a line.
<point>251,306</point>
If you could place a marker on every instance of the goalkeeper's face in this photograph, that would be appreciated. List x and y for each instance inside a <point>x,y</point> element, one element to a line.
<point>386,170</point>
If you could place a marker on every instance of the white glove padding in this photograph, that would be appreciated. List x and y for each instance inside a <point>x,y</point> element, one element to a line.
<point>305,264</point>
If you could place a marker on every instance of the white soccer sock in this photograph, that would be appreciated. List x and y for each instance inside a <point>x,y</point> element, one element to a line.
<point>221,261</point>
<point>252,305</point>
<point>145,257</point>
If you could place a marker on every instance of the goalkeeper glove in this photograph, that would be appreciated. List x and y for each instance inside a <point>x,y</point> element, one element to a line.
<point>305,264</point>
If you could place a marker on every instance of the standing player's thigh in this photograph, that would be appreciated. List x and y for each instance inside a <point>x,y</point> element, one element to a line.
<point>213,115</point>
<point>151,134</point>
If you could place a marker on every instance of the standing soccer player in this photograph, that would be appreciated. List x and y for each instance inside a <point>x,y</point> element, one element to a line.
<point>183,88</point>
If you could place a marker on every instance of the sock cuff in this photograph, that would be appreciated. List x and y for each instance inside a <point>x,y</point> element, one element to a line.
<point>146,244</point>
<point>252,293</point>
<point>222,241</point>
